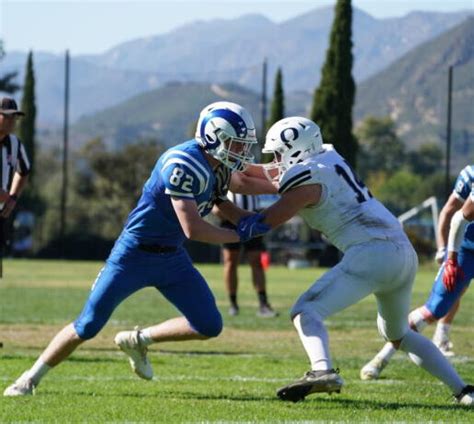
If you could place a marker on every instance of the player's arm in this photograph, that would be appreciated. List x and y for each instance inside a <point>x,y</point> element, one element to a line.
<point>449,209</point>
<point>252,183</point>
<point>228,211</point>
<point>291,202</point>
<point>461,219</point>
<point>196,228</point>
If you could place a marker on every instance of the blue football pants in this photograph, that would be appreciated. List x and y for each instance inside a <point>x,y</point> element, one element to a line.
<point>129,269</point>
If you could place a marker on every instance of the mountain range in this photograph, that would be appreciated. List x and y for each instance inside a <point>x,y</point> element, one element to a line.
<point>222,51</point>
<point>412,90</point>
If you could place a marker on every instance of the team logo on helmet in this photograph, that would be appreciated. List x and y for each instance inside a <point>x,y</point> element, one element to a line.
<point>288,135</point>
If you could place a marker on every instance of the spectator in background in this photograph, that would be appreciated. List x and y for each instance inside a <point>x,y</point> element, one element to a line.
<point>14,165</point>
<point>253,249</point>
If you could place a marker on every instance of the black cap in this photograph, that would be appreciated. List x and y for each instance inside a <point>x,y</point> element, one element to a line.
<point>8,106</point>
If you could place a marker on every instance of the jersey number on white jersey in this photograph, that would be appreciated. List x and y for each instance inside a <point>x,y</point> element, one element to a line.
<point>347,173</point>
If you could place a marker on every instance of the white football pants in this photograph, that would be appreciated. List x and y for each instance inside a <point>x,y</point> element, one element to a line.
<point>384,268</point>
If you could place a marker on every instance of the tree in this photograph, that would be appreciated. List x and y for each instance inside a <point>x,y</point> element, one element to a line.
<point>6,82</point>
<point>334,98</point>
<point>380,147</point>
<point>277,111</point>
<point>28,105</point>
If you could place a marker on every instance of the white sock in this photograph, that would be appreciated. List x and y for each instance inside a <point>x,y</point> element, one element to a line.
<point>145,337</point>
<point>426,355</point>
<point>38,371</point>
<point>315,340</point>
<point>442,332</point>
<point>386,352</point>
<point>417,320</point>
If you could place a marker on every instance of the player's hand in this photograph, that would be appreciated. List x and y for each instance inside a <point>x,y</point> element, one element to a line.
<point>452,273</point>
<point>440,254</point>
<point>251,226</point>
<point>8,207</point>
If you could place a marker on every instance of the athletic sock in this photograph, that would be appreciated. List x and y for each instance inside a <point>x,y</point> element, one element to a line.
<point>315,340</point>
<point>145,337</point>
<point>441,333</point>
<point>233,300</point>
<point>426,355</point>
<point>262,298</point>
<point>386,352</point>
<point>38,371</point>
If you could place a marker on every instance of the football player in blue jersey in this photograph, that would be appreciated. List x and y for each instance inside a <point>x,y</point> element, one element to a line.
<point>319,185</point>
<point>444,297</point>
<point>185,184</point>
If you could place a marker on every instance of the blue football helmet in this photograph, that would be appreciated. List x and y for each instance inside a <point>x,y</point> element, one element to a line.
<point>227,132</point>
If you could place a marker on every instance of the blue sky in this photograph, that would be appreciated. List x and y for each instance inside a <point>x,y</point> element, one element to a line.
<point>91,26</point>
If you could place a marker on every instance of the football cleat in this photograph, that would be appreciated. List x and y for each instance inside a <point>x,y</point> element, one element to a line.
<point>445,347</point>
<point>373,369</point>
<point>129,342</point>
<point>233,310</point>
<point>312,382</point>
<point>266,311</point>
<point>23,386</point>
<point>466,397</point>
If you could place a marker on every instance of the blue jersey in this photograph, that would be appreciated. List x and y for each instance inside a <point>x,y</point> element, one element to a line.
<point>182,172</point>
<point>464,188</point>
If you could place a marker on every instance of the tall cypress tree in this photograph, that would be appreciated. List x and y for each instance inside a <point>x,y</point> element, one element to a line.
<point>334,98</point>
<point>6,81</point>
<point>26,131</point>
<point>277,111</point>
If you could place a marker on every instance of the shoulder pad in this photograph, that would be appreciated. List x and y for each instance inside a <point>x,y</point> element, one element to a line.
<point>297,175</point>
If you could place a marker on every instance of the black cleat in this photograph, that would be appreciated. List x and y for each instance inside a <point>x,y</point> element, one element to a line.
<point>312,382</point>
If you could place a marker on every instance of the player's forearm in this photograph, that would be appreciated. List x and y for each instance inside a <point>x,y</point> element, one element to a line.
<point>205,232</point>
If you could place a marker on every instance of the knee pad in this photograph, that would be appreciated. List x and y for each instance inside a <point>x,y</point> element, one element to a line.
<point>210,327</point>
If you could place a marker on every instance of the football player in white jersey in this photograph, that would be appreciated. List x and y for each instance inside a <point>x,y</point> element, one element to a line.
<point>318,184</point>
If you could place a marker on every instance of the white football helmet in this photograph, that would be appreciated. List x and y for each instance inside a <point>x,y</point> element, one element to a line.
<point>227,132</point>
<point>291,140</point>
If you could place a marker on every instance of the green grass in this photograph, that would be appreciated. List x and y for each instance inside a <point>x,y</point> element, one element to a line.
<point>231,378</point>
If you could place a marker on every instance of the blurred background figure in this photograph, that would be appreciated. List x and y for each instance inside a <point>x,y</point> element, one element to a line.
<point>15,167</point>
<point>254,250</point>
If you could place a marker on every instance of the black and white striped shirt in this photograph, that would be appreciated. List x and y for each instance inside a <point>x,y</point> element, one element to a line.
<point>13,158</point>
<point>244,201</point>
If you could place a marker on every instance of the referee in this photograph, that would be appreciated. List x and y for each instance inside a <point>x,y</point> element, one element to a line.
<point>14,167</point>
<point>253,249</point>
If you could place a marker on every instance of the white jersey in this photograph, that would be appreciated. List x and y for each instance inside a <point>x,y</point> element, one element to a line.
<point>347,213</point>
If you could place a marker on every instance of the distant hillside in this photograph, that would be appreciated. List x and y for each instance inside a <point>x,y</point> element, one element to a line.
<point>223,50</point>
<point>413,91</point>
<point>167,113</point>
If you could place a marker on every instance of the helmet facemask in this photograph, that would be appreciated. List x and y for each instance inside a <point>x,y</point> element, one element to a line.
<point>226,131</point>
<point>234,152</point>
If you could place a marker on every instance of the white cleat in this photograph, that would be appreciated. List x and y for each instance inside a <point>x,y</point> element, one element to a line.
<point>445,347</point>
<point>373,369</point>
<point>466,397</point>
<point>23,386</point>
<point>129,343</point>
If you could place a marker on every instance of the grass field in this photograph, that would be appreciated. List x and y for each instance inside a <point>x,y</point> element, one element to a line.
<point>232,378</point>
